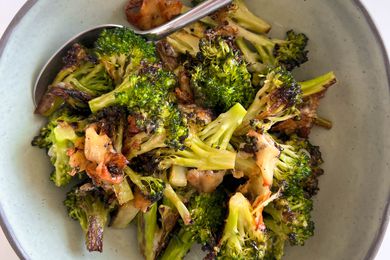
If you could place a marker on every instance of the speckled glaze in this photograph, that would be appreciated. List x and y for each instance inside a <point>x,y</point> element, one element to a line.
<point>351,206</point>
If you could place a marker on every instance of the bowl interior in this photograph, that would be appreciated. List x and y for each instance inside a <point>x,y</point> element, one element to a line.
<point>354,190</point>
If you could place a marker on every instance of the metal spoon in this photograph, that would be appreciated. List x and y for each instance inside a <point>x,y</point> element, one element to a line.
<point>88,37</point>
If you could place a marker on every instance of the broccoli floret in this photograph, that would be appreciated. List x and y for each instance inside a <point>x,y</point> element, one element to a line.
<point>207,150</point>
<point>148,94</point>
<point>240,238</point>
<point>219,132</point>
<point>293,166</point>
<point>89,206</point>
<point>197,154</point>
<point>207,212</point>
<point>313,162</point>
<point>289,216</point>
<point>82,78</point>
<point>122,51</point>
<point>151,187</point>
<point>58,136</point>
<point>276,101</point>
<point>143,92</point>
<point>289,53</point>
<point>220,78</point>
<point>239,12</point>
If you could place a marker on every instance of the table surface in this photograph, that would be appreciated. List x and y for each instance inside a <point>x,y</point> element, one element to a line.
<point>377,8</point>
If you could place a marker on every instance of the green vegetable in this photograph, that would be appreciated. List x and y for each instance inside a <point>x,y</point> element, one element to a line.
<point>87,204</point>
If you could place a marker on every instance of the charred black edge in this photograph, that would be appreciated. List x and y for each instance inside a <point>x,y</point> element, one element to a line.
<point>375,244</point>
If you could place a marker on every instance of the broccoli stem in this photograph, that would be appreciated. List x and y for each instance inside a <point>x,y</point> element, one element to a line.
<point>157,140</point>
<point>323,122</point>
<point>204,157</point>
<point>251,57</point>
<point>171,195</point>
<point>184,42</point>
<point>123,192</point>
<point>263,45</point>
<point>133,177</point>
<point>219,132</point>
<point>247,19</point>
<point>178,246</point>
<point>146,232</point>
<point>317,84</point>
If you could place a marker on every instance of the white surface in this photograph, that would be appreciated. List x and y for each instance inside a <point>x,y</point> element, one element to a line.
<point>378,9</point>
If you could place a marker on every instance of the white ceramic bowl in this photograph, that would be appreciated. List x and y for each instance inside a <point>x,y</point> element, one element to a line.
<point>351,208</point>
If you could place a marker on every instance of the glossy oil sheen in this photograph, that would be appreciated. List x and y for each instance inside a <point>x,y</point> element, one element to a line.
<point>354,190</point>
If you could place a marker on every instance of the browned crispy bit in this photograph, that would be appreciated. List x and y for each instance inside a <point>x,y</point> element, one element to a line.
<point>147,14</point>
<point>167,55</point>
<point>302,125</point>
<point>183,92</point>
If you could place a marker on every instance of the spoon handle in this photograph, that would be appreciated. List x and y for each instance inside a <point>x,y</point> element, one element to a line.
<point>181,21</point>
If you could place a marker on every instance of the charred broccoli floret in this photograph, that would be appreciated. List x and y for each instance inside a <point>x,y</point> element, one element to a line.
<point>240,238</point>
<point>289,53</point>
<point>239,12</point>
<point>277,100</point>
<point>122,51</point>
<point>151,187</point>
<point>207,212</point>
<point>220,78</point>
<point>88,205</point>
<point>293,166</point>
<point>58,136</point>
<point>148,94</point>
<point>82,78</point>
<point>289,216</point>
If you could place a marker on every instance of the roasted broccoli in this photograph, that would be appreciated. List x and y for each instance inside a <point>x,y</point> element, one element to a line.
<point>207,212</point>
<point>82,78</point>
<point>220,78</point>
<point>219,132</point>
<point>58,136</point>
<point>239,12</point>
<point>148,94</point>
<point>147,231</point>
<point>153,229</point>
<point>312,92</point>
<point>197,154</point>
<point>318,84</point>
<point>240,238</point>
<point>122,52</point>
<point>88,205</point>
<point>293,166</point>
<point>289,53</point>
<point>289,216</point>
<point>151,187</point>
<point>277,100</point>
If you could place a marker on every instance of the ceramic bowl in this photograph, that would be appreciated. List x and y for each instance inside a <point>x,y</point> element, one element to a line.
<point>352,205</point>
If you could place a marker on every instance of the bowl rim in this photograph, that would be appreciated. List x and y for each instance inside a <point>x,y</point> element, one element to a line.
<point>375,244</point>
